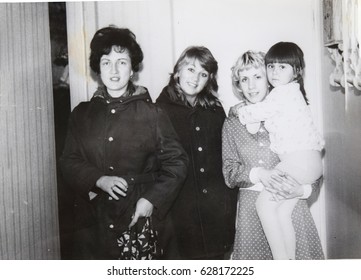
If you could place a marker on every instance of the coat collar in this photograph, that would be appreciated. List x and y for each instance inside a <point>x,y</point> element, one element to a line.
<point>133,92</point>
<point>166,97</point>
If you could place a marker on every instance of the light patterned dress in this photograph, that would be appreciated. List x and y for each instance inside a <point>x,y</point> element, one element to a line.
<point>241,152</point>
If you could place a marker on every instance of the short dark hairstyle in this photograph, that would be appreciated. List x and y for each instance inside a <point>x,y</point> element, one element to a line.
<point>103,41</point>
<point>289,53</point>
<point>207,97</point>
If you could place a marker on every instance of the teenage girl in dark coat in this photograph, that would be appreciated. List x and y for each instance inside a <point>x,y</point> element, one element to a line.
<point>122,156</point>
<point>204,211</point>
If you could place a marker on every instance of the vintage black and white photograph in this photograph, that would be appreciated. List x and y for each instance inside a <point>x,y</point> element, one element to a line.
<point>161,130</point>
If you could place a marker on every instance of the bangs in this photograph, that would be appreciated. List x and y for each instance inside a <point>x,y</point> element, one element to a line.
<point>191,58</point>
<point>252,64</point>
<point>182,63</point>
<point>117,48</point>
<point>287,53</point>
<point>286,58</point>
<point>247,67</point>
<point>250,60</point>
<point>203,56</point>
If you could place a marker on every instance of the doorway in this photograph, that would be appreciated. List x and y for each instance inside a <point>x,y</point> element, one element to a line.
<point>61,97</point>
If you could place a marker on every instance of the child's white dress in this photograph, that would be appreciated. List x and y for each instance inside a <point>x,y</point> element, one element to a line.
<point>287,118</point>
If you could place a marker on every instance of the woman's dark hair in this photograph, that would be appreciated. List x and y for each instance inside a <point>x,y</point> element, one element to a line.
<point>103,41</point>
<point>289,53</point>
<point>207,97</point>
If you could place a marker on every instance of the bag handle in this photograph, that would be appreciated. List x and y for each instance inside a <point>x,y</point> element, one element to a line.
<point>133,235</point>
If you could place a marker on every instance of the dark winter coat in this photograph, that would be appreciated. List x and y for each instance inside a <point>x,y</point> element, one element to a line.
<point>204,211</point>
<point>127,137</point>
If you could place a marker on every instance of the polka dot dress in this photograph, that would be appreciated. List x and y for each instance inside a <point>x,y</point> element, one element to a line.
<point>241,152</point>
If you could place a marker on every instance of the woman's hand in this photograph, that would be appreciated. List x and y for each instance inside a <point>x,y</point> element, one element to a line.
<point>270,177</point>
<point>285,187</point>
<point>113,185</point>
<point>143,209</point>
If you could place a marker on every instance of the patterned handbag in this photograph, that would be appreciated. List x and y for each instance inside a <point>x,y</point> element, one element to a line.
<point>135,244</point>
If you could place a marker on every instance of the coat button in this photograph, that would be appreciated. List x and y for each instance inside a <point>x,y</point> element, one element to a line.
<point>198,128</point>
<point>204,191</point>
<point>201,170</point>
<point>110,139</point>
<point>121,101</point>
<point>111,168</point>
<point>200,149</point>
<point>111,226</point>
<point>112,111</point>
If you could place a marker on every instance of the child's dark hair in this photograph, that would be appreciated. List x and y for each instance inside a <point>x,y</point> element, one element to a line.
<point>290,53</point>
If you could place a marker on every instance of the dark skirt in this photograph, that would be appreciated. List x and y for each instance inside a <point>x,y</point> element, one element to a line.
<point>250,241</point>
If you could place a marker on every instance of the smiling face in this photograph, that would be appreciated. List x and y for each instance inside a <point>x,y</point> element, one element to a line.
<point>253,84</point>
<point>192,79</point>
<point>115,71</point>
<point>280,74</point>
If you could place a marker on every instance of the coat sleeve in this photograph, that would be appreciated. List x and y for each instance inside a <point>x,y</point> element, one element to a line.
<point>77,171</point>
<point>173,162</point>
<point>235,170</point>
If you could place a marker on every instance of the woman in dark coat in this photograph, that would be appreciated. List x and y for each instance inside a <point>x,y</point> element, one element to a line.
<point>122,156</point>
<point>204,211</point>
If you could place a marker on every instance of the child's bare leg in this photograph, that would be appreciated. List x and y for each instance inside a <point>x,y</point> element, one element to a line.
<point>268,215</point>
<point>303,166</point>
<point>284,213</point>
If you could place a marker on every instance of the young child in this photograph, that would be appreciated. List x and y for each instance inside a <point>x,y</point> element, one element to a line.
<point>294,138</point>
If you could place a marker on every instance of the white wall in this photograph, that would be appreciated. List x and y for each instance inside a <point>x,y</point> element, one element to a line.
<point>227,27</point>
<point>342,132</point>
<point>230,27</point>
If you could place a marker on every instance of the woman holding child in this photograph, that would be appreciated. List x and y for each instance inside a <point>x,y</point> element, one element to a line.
<point>246,155</point>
